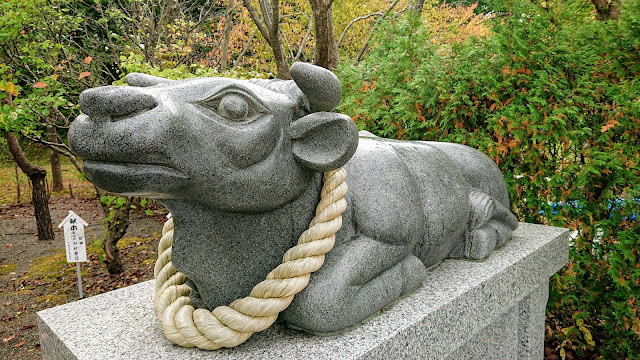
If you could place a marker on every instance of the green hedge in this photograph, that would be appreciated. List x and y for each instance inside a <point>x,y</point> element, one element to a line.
<point>554,98</point>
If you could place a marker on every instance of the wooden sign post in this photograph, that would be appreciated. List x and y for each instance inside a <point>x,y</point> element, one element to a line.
<point>75,243</point>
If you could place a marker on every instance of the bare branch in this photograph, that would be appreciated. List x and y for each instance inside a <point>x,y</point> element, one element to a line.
<point>238,61</point>
<point>350,24</point>
<point>267,12</point>
<point>58,147</point>
<point>366,43</point>
<point>61,149</point>
<point>209,11</point>
<point>61,116</point>
<point>286,41</point>
<point>275,20</point>
<point>257,20</point>
<point>306,37</point>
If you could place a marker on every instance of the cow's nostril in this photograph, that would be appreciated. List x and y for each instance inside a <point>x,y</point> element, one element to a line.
<point>115,118</point>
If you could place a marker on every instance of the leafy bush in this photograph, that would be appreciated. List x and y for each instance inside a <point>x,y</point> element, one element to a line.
<point>135,63</point>
<point>553,96</point>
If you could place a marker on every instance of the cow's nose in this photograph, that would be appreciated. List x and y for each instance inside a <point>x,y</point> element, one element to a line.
<point>113,103</point>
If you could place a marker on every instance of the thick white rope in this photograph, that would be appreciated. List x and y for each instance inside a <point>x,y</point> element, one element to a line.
<point>228,326</point>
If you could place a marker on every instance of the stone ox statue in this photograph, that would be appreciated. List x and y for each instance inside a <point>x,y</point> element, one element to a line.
<point>239,164</point>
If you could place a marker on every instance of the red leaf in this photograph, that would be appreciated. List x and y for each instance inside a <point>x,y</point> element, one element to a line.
<point>39,85</point>
<point>27,327</point>
<point>88,59</point>
<point>84,74</point>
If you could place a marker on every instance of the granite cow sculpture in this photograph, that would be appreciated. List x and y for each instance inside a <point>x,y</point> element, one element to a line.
<point>239,164</point>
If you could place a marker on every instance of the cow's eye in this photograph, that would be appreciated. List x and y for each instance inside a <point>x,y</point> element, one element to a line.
<point>234,105</point>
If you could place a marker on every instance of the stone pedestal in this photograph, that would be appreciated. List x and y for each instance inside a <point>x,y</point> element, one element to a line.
<point>491,309</point>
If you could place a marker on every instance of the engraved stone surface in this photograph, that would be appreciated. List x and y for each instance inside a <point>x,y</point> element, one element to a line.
<point>491,309</point>
<point>239,164</point>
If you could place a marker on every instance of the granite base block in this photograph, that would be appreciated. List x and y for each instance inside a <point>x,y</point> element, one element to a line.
<point>491,309</point>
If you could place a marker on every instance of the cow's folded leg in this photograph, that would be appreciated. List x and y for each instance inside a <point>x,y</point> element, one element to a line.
<point>481,242</point>
<point>356,281</point>
<point>491,224</point>
<point>504,222</point>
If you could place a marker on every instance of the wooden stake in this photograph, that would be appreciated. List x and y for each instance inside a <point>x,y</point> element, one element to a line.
<point>17,185</point>
<point>79,280</point>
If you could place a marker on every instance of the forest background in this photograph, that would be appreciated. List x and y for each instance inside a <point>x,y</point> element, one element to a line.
<point>548,89</point>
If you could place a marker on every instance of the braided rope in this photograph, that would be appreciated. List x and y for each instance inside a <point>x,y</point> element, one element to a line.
<point>228,326</point>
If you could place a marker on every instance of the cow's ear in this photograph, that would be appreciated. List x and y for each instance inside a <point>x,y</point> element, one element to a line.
<point>144,80</point>
<point>320,86</point>
<point>323,141</point>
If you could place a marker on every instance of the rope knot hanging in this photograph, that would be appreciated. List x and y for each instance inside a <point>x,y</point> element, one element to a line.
<point>228,326</point>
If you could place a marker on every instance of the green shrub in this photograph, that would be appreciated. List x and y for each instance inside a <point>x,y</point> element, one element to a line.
<point>135,63</point>
<point>554,98</point>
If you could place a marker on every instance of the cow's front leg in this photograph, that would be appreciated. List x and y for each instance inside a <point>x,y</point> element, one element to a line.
<point>357,280</point>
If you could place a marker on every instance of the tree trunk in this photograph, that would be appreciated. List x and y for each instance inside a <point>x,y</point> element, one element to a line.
<point>54,158</point>
<point>334,60</point>
<point>607,9</point>
<point>227,37</point>
<point>37,176</point>
<point>276,44</point>
<point>116,228</point>
<point>281,60</point>
<point>418,6</point>
<point>269,26</point>
<point>39,196</point>
<point>326,48</point>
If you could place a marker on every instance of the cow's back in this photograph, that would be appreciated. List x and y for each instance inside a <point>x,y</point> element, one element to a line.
<point>407,193</point>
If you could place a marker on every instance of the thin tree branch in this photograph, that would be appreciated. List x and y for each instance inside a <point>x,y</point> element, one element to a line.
<point>275,20</point>
<point>61,149</point>
<point>257,20</point>
<point>306,37</point>
<point>203,18</point>
<point>267,12</point>
<point>366,43</point>
<point>246,47</point>
<point>364,17</point>
<point>286,41</point>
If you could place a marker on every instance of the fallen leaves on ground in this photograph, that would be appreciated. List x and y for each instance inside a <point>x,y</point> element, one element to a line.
<point>7,339</point>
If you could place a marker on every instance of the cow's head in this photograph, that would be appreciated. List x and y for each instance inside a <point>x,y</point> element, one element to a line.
<point>235,145</point>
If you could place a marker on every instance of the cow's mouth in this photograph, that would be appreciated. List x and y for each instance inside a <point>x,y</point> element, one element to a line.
<point>155,181</point>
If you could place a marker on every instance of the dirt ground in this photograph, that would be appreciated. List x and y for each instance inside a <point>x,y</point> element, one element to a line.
<point>34,275</point>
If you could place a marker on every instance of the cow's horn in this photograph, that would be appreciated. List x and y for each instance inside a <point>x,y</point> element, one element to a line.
<point>319,85</point>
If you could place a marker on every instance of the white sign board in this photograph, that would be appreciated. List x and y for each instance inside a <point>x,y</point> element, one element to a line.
<point>74,237</point>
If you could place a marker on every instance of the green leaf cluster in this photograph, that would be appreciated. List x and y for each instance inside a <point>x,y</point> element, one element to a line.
<point>553,97</point>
